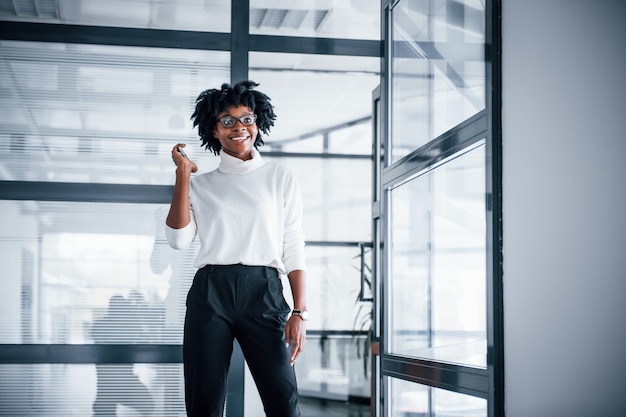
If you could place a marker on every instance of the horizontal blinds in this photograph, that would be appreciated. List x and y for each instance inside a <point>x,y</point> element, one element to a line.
<point>99,114</point>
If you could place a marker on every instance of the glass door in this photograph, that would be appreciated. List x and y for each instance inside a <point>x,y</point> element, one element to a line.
<point>435,213</point>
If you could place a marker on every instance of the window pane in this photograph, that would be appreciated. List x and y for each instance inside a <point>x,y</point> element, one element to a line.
<point>333,368</point>
<point>332,289</point>
<point>438,263</point>
<point>317,95</point>
<point>437,69</point>
<point>116,280</point>
<point>336,195</point>
<point>99,114</point>
<point>80,281</point>
<point>63,390</point>
<point>197,15</point>
<point>409,399</point>
<point>312,18</point>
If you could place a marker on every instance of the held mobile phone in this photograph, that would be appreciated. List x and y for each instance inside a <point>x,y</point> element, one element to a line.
<point>180,151</point>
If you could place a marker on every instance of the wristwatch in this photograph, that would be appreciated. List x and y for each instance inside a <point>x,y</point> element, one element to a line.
<point>304,315</point>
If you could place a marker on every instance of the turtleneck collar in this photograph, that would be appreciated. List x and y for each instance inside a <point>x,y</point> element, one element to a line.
<point>231,165</point>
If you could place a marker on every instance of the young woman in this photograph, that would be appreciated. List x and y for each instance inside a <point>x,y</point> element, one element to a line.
<point>248,216</point>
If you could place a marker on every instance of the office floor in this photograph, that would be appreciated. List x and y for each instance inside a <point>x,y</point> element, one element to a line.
<point>313,407</point>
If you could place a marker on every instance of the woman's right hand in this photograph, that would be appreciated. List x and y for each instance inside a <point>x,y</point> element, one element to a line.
<point>178,216</point>
<point>182,161</point>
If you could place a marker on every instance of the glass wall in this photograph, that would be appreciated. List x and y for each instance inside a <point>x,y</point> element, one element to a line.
<point>97,113</point>
<point>411,400</point>
<point>346,19</point>
<point>328,100</point>
<point>82,263</point>
<point>440,190</point>
<point>438,70</point>
<point>91,292</point>
<point>195,15</point>
<point>437,260</point>
<point>90,274</point>
<point>325,136</point>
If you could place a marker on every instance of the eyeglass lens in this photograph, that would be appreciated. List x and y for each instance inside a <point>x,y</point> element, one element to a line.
<point>229,121</point>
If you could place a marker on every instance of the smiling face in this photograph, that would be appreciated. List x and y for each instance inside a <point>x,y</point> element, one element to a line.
<point>237,140</point>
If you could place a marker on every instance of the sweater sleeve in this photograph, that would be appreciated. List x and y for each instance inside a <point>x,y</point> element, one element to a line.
<point>182,238</point>
<point>293,235</point>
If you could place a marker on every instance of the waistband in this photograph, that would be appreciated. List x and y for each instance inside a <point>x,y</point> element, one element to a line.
<point>267,271</point>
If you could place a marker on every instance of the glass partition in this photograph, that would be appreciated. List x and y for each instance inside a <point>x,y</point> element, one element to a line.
<point>408,399</point>
<point>90,273</point>
<point>437,70</point>
<point>333,368</point>
<point>334,198</point>
<point>316,19</point>
<point>333,287</point>
<point>61,390</point>
<point>323,103</point>
<point>99,114</point>
<point>437,297</point>
<point>196,15</point>
<point>116,281</point>
<point>86,275</point>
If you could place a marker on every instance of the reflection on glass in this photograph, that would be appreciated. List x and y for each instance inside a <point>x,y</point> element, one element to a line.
<point>438,263</point>
<point>408,399</point>
<point>438,70</point>
<point>85,273</point>
<point>332,368</point>
<point>312,18</point>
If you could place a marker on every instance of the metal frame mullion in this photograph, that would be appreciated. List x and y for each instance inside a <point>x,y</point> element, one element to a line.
<point>385,110</point>
<point>377,166</point>
<point>120,36</point>
<point>239,40</point>
<point>91,353</point>
<point>495,304</point>
<point>429,155</point>
<point>317,46</point>
<point>85,192</point>
<point>452,377</point>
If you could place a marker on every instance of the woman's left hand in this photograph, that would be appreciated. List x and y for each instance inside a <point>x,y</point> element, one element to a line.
<point>295,334</point>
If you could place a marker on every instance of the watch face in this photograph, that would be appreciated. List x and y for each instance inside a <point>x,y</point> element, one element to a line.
<point>304,315</point>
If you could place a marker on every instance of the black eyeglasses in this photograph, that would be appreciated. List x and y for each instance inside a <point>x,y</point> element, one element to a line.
<point>230,121</point>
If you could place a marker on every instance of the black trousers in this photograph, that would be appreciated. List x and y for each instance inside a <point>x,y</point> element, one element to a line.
<point>247,303</point>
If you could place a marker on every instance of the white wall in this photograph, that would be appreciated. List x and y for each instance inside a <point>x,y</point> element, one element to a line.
<point>564,180</point>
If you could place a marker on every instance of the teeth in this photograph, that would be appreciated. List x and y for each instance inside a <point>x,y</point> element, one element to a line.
<point>238,139</point>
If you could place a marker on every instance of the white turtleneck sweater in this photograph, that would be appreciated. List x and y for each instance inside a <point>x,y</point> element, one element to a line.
<point>244,212</point>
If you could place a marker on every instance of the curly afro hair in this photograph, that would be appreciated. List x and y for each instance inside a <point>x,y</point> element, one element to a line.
<point>212,102</point>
